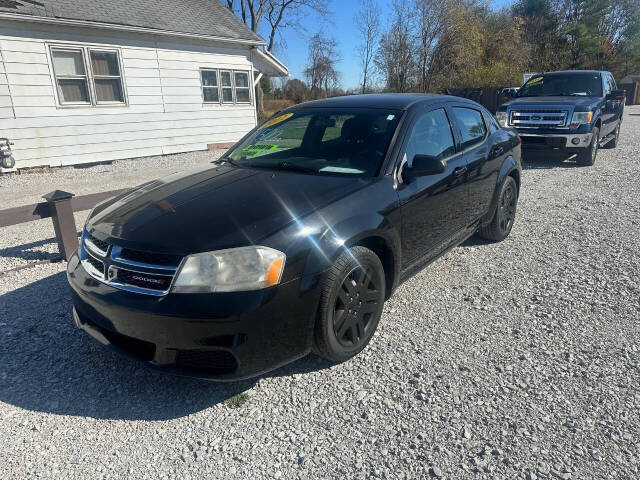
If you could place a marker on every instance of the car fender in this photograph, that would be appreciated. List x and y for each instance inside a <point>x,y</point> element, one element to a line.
<point>509,165</point>
<point>314,250</point>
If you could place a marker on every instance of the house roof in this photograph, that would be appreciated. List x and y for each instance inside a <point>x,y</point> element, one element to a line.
<point>207,18</point>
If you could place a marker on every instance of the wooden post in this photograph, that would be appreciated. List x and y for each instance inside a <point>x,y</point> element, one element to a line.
<point>63,222</point>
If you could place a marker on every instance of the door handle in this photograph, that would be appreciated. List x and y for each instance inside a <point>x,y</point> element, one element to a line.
<point>459,171</point>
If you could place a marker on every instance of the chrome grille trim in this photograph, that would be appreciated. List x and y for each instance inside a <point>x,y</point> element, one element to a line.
<point>539,117</point>
<point>93,247</point>
<point>112,262</point>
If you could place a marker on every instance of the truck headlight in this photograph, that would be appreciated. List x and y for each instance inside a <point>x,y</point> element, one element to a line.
<point>581,118</point>
<point>232,270</point>
<point>501,117</point>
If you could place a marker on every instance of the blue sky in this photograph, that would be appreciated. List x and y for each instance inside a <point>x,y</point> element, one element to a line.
<point>341,27</point>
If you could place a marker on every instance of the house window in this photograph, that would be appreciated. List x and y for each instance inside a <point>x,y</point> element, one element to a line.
<point>106,76</point>
<point>99,84</point>
<point>225,86</point>
<point>210,90</point>
<point>242,87</point>
<point>71,76</point>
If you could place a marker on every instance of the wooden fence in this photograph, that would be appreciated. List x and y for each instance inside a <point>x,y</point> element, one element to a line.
<point>59,206</point>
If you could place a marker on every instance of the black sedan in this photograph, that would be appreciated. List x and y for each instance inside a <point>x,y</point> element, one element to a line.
<point>292,241</point>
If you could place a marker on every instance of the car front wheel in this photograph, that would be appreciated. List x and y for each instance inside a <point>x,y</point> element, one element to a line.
<point>587,156</point>
<point>353,293</point>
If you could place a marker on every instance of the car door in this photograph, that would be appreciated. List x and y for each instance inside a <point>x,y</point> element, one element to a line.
<point>608,107</point>
<point>484,150</point>
<point>433,206</point>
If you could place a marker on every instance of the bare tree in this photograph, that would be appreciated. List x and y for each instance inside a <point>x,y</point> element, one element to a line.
<point>277,14</point>
<point>321,66</point>
<point>431,19</point>
<point>395,56</point>
<point>367,21</point>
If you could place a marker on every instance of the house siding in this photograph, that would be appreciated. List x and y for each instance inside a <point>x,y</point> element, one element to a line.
<point>165,112</point>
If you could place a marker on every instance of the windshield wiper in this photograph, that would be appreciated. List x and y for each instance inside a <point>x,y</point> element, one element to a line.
<point>295,168</point>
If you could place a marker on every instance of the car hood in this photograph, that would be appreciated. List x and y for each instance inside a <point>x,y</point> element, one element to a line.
<point>216,207</point>
<point>582,102</point>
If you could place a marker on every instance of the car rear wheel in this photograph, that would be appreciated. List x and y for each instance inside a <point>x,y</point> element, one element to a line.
<point>502,222</point>
<point>587,156</point>
<point>351,302</point>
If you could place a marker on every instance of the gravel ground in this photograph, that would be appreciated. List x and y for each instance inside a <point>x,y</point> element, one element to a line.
<point>512,360</point>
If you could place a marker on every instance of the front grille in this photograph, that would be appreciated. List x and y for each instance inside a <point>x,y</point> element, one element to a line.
<point>97,264</point>
<point>538,117</point>
<point>151,258</point>
<point>144,280</point>
<point>210,361</point>
<point>101,245</point>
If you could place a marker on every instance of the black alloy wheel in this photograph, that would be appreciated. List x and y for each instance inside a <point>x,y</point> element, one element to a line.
<point>355,306</point>
<point>351,304</point>
<point>505,214</point>
<point>507,207</point>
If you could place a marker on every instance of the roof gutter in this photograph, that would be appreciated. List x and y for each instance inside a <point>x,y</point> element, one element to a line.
<point>124,28</point>
<point>270,59</point>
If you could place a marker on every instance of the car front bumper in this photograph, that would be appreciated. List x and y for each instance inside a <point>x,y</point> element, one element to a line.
<point>546,141</point>
<point>221,336</point>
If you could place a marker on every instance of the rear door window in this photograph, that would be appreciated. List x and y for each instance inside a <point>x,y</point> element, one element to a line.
<point>472,127</point>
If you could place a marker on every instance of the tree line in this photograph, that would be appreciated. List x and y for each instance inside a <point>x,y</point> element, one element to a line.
<point>430,45</point>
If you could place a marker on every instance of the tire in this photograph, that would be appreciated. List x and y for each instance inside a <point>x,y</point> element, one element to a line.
<point>613,143</point>
<point>505,214</point>
<point>352,297</point>
<point>587,156</point>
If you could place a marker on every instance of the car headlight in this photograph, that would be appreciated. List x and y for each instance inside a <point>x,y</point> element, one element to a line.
<point>581,118</point>
<point>232,270</point>
<point>501,117</point>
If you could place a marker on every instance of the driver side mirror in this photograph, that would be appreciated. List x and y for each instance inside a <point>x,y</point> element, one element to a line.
<point>422,166</point>
<point>617,95</point>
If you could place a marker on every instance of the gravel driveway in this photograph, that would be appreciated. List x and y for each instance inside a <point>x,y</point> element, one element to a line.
<point>512,360</point>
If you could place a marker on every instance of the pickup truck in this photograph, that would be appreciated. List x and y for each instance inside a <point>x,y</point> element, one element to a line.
<point>572,112</point>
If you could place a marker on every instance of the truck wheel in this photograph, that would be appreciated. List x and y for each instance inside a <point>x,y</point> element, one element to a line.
<point>350,305</point>
<point>502,222</point>
<point>587,156</point>
<point>613,143</point>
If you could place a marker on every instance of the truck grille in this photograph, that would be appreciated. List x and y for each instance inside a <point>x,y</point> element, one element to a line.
<point>136,271</point>
<point>538,117</point>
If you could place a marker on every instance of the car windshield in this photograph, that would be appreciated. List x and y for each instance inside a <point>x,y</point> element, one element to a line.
<point>323,141</point>
<point>565,84</point>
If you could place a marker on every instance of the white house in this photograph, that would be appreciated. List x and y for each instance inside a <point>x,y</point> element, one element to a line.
<point>88,81</point>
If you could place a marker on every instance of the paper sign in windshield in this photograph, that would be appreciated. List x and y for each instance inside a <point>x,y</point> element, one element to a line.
<point>258,149</point>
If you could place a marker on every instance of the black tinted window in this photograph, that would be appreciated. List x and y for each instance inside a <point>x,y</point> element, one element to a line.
<point>563,84</point>
<point>471,126</point>
<point>431,135</point>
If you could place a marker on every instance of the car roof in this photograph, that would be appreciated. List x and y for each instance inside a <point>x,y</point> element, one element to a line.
<point>393,101</point>
<point>573,71</point>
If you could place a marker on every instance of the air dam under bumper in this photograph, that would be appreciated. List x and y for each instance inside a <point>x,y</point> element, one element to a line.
<point>221,336</point>
<point>558,141</point>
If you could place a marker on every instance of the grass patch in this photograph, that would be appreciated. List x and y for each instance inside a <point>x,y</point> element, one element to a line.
<point>237,400</point>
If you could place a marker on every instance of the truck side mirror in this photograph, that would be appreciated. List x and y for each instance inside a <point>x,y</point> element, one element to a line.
<point>617,95</point>
<point>423,165</point>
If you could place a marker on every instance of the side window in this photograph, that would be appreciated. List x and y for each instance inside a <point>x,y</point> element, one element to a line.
<point>612,82</point>
<point>431,135</point>
<point>471,126</point>
<point>607,85</point>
